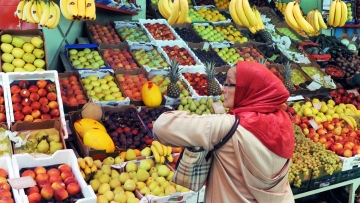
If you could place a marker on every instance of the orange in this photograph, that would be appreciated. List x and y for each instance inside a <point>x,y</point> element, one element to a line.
<point>137,152</point>
<point>123,154</point>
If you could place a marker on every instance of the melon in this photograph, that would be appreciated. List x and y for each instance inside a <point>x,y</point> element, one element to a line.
<point>85,124</point>
<point>151,95</point>
<point>92,110</point>
<point>99,140</point>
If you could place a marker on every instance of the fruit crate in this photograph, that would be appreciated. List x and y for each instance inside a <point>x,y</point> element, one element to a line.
<point>192,84</point>
<point>231,37</point>
<point>316,67</point>
<point>30,129</point>
<point>211,7</point>
<point>6,164</point>
<point>26,35</point>
<point>187,33</point>
<point>305,182</point>
<point>102,74</point>
<point>67,95</point>
<point>195,63</point>
<point>162,22</point>
<point>349,174</point>
<point>302,35</point>
<point>269,14</point>
<point>88,56</point>
<point>324,179</point>
<point>50,76</point>
<point>26,161</point>
<point>4,98</point>
<point>99,39</point>
<point>199,3</point>
<point>134,28</point>
<point>138,51</point>
<point>207,36</point>
<point>350,163</point>
<point>272,53</point>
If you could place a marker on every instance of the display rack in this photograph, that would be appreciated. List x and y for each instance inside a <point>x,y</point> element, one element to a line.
<point>354,184</point>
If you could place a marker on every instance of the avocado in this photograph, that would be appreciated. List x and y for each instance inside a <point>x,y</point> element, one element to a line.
<point>276,51</point>
<point>269,54</point>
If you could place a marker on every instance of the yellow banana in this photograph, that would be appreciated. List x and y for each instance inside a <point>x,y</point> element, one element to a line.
<point>337,17</point>
<point>300,19</point>
<point>64,10</point>
<point>155,153</point>
<point>162,159</point>
<point>353,121</point>
<point>351,106</point>
<point>161,9</point>
<point>39,9</point>
<point>89,161</point>
<point>81,9</point>
<point>240,13</point>
<point>82,174</point>
<point>321,20</point>
<point>20,9</point>
<point>45,15</point>
<point>348,121</point>
<point>252,30</point>
<point>93,168</point>
<point>164,150</point>
<point>42,4</point>
<point>289,16</point>
<point>344,14</point>
<point>73,8</point>
<point>87,170</point>
<point>309,18</point>
<point>233,14</point>
<point>174,13</point>
<point>249,13</point>
<point>188,20</point>
<point>171,4</point>
<point>184,12</point>
<point>316,21</point>
<point>170,158</point>
<point>27,11</point>
<point>260,24</point>
<point>90,11</point>
<point>332,10</point>
<point>169,150</point>
<point>159,147</point>
<point>52,18</point>
<point>79,166</point>
<point>34,10</point>
<point>81,162</point>
<point>165,8</point>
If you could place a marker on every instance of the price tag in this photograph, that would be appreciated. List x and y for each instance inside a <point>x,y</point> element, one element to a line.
<point>206,45</point>
<point>314,86</point>
<point>218,107</point>
<point>353,91</point>
<point>354,39</point>
<point>314,124</point>
<point>295,98</point>
<point>119,166</point>
<point>317,105</point>
<point>326,49</point>
<point>21,183</point>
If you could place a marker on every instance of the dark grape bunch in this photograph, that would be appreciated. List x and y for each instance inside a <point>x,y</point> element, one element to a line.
<point>126,129</point>
<point>209,56</point>
<point>188,35</point>
<point>221,77</point>
<point>150,115</point>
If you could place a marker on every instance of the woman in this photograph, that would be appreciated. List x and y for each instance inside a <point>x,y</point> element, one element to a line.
<point>253,165</point>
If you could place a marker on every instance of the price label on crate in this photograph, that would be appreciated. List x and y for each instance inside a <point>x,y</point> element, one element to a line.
<point>354,39</point>
<point>314,124</point>
<point>21,183</point>
<point>317,105</point>
<point>218,107</point>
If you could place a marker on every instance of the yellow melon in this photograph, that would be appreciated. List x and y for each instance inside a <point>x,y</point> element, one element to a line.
<point>98,139</point>
<point>151,95</point>
<point>85,124</point>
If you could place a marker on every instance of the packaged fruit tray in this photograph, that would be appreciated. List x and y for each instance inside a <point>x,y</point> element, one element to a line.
<point>102,32</point>
<point>73,93</point>
<point>4,102</point>
<point>312,69</point>
<point>7,171</point>
<point>85,57</point>
<point>209,33</point>
<point>63,164</point>
<point>103,88</point>
<point>150,57</point>
<point>37,96</point>
<point>23,51</point>
<point>187,33</point>
<point>159,30</point>
<point>179,49</point>
<point>200,14</point>
<point>131,31</point>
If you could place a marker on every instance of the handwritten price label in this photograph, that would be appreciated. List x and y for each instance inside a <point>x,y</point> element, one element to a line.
<point>218,107</point>
<point>21,183</point>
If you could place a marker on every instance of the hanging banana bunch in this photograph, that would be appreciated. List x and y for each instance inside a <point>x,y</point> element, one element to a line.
<point>295,19</point>
<point>337,14</point>
<point>78,9</point>
<point>30,11</point>
<point>316,20</point>
<point>175,12</point>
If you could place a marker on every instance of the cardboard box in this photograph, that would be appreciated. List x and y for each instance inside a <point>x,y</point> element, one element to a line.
<point>6,164</point>
<point>131,24</point>
<point>6,149</point>
<point>49,126</point>
<point>26,35</point>
<point>80,47</point>
<point>3,84</point>
<point>67,74</point>
<point>102,23</point>
<point>67,156</point>
<point>349,163</point>
<point>160,21</point>
<point>32,77</point>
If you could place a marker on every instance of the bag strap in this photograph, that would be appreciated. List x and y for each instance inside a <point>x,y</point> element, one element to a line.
<point>226,138</point>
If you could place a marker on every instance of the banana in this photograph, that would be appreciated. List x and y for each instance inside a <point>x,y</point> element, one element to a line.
<point>300,19</point>
<point>34,10</point>
<point>161,9</point>
<point>45,15</point>
<point>162,159</point>
<point>321,20</point>
<point>20,9</point>
<point>81,9</point>
<point>87,170</point>
<point>164,150</point>
<point>233,14</point>
<point>57,18</point>
<point>27,11</point>
<point>316,21</point>
<point>353,121</point>
<point>310,18</point>
<point>79,166</point>
<point>348,121</point>
<point>93,168</point>
<point>52,17</point>
<point>260,24</point>
<point>90,12</point>
<point>73,8</point>
<point>165,7</point>
<point>155,153</point>
<point>337,17</point>
<point>42,4</point>
<point>184,12</point>
<point>81,162</point>
<point>170,158</point>
<point>351,106</point>
<point>344,14</point>
<point>252,30</point>
<point>188,20</point>
<point>169,150</point>
<point>240,13</point>
<point>89,161</point>
<point>158,147</point>
<point>82,174</point>
<point>174,13</point>
<point>39,9</point>
<point>332,13</point>
<point>289,16</point>
<point>64,10</point>
<point>249,13</point>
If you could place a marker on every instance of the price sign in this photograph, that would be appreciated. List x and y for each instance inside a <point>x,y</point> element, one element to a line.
<point>317,105</point>
<point>354,39</point>
<point>21,183</point>
<point>218,107</point>
<point>314,124</point>
<point>119,166</point>
<point>206,45</point>
<point>353,91</point>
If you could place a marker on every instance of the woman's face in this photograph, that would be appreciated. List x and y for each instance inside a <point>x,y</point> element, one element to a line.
<point>228,89</point>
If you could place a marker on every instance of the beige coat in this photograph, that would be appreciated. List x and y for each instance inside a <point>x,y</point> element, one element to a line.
<point>243,170</point>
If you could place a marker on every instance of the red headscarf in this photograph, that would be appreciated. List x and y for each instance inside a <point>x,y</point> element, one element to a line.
<point>258,96</point>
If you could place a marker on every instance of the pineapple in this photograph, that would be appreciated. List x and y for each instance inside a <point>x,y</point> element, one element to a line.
<point>287,77</point>
<point>173,89</point>
<point>213,86</point>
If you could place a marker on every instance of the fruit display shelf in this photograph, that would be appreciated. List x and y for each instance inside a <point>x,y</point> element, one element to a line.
<point>198,84</point>
<point>85,57</point>
<point>131,31</point>
<point>4,102</point>
<point>102,32</point>
<point>103,88</point>
<point>272,53</point>
<point>208,32</point>
<point>66,164</point>
<point>43,78</point>
<point>7,166</point>
<point>187,33</point>
<point>159,30</point>
<point>201,14</point>
<point>301,35</point>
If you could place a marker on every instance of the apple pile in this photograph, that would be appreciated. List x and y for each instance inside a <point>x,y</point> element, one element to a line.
<point>2,106</point>
<point>160,31</point>
<point>132,85</point>
<point>71,93</point>
<point>180,54</point>
<point>57,184</point>
<point>197,81</point>
<point>120,58</point>
<point>342,96</point>
<point>5,188</point>
<point>102,89</point>
<point>104,34</point>
<point>34,101</point>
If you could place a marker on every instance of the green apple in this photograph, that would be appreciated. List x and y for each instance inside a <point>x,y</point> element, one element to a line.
<point>39,63</point>
<point>18,62</point>
<point>88,56</point>
<point>8,67</point>
<point>102,81</point>
<point>97,89</point>
<point>85,81</point>
<point>106,91</point>
<point>29,67</point>
<point>37,42</point>
<point>18,52</point>
<point>97,58</point>
<point>39,53</point>
<point>76,62</point>
<point>87,50</point>
<point>18,42</point>
<point>6,38</point>
<point>100,62</point>
<point>73,57</point>
<point>7,58</point>
<point>82,59</point>
<point>91,61</point>
<point>73,51</point>
<point>6,48</point>
<point>29,58</point>
<point>81,53</point>
<point>95,53</point>
<point>28,47</point>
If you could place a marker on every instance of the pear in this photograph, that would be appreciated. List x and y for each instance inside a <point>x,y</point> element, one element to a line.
<point>144,164</point>
<point>151,161</point>
<point>124,176</point>
<point>105,178</point>
<point>157,166</point>
<point>53,137</point>
<point>198,112</point>
<point>222,97</point>
<point>98,163</point>
<point>154,175</point>
<point>184,189</point>
<point>183,101</point>
<point>129,185</point>
<point>163,171</point>
<point>140,185</point>
<point>129,194</point>
<point>146,151</point>
<point>134,178</point>
<point>149,181</point>
<point>121,197</point>
<point>142,175</point>
<point>202,107</point>
<point>178,188</point>
<point>131,166</point>
<point>165,184</point>
<point>189,100</point>
<point>180,107</point>
<point>109,195</point>
<point>130,155</point>
<point>132,174</point>
<point>160,180</point>
<point>106,169</point>
<point>103,188</point>
<point>102,199</point>
<point>31,144</point>
<point>54,146</point>
<point>119,160</point>
<point>192,106</point>
<point>98,174</point>
<point>118,190</point>
<point>202,101</point>
<point>197,104</point>
<point>153,185</point>
<point>109,161</point>
<point>95,184</point>
<point>152,170</point>
<point>132,200</point>
<point>43,147</point>
<point>171,174</point>
<point>170,190</point>
<point>114,174</point>
<point>145,190</point>
<point>158,190</point>
<point>40,135</point>
<point>114,183</point>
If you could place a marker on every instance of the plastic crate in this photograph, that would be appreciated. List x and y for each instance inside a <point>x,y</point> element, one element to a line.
<point>160,21</point>
<point>6,164</point>
<point>6,95</point>
<point>349,174</point>
<point>324,181</point>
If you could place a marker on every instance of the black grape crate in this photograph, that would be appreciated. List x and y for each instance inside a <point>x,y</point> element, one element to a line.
<point>149,115</point>
<point>187,33</point>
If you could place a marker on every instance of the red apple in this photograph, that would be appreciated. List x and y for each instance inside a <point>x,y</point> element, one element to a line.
<point>73,188</point>
<point>18,116</point>
<point>342,91</point>
<point>61,195</point>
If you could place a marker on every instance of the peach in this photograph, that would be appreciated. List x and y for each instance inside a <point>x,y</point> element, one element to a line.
<point>7,200</point>
<point>54,112</point>
<point>75,87</point>
<point>64,81</point>
<point>73,83</point>
<point>64,167</point>
<point>5,193</point>
<point>39,170</point>
<point>35,105</point>
<point>16,98</point>
<point>43,101</point>
<point>47,192</point>
<point>53,172</point>
<point>46,117</point>
<point>28,173</point>
<point>66,174</point>
<point>78,92</point>
<point>33,89</point>
<point>17,107</point>
<point>25,93</point>
<point>80,96</point>
<point>62,93</point>
<point>18,116</point>
<point>29,118</point>
<point>43,183</point>
<point>3,173</point>
<point>73,188</point>
<point>42,92</point>
<point>37,120</point>
<point>51,96</point>
<point>55,178</point>
<point>50,87</point>
<point>34,198</point>
<point>73,102</point>
<point>41,84</point>
<point>58,185</point>
<point>73,78</point>
<point>347,153</point>
<point>69,91</point>
<point>82,101</point>
<point>53,105</point>
<point>41,176</point>
<point>31,190</point>
<point>15,89</point>
<point>35,114</point>
<point>61,194</point>
<point>26,102</point>
<point>69,180</point>
<point>34,96</point>
<point>5,186</point>
<point>27,110</point>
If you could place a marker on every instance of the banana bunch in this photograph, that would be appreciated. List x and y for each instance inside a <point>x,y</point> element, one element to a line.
<point>30,11</point>
<point>175,12</point>
<point>350,121</point>
<point>244,15</point>
<point>86,166</point>
<point>78,9</point>
<point>161,151</point>
<point>295,19</point>
<point>315,19</point>
<point>337,14</point>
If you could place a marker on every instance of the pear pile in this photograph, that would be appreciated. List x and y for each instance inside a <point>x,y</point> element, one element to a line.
<point>87,167</point>
<point>43,143</point>
<point>204,106</point>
